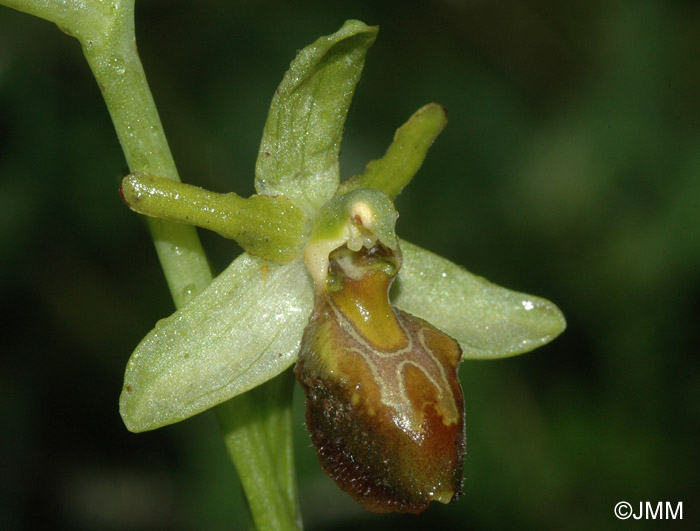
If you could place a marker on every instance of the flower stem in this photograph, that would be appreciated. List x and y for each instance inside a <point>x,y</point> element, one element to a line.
<point>257,425</point>
<point>120,75</point>
<point>117,68</point>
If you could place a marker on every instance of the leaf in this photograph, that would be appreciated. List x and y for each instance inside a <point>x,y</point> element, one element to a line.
<point>298,155</point>
<point>405,155</point>
<point>489,321</point>
<point>243,330</point>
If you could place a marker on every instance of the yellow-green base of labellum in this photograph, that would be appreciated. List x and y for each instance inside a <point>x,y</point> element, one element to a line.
<point>384,405</point>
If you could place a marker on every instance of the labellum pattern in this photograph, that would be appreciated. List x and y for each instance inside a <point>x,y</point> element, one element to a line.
<point>384,404</point>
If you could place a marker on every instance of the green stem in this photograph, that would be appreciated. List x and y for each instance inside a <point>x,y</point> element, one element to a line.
<point>257,428</point>
<point>120,75</point>
<point>106,33</point>
<point>117,68</point>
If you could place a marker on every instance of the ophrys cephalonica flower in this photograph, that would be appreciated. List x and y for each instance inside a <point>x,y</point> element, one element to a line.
<point>379,366</point>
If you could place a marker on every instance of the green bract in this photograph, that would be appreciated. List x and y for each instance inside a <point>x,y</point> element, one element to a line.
<point>247,325</point>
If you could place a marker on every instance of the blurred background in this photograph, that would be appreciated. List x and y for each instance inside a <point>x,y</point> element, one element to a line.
<point>569,169</point>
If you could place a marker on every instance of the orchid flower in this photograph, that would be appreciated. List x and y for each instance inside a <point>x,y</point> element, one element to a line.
<point>376,325</point>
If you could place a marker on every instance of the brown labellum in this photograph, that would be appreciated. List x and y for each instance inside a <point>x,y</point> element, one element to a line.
<point>384,404</point>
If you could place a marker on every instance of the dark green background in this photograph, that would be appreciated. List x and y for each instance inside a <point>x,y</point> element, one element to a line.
<point>569,169</point>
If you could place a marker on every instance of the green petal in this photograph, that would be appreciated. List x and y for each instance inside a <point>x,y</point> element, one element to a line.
<point>244,329</point>
<point>272,228</point>
<point>298,155</point>
<point>405,154</point>
<point>488,321</point>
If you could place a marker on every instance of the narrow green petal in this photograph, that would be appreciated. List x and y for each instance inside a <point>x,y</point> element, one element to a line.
<point>298,155</point>
<point>488,321</point>
<point>244,329</point>
<point>272,228</point>
<point>405,154</point>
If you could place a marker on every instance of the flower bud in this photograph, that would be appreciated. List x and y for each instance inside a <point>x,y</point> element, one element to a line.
<point>384,404</point>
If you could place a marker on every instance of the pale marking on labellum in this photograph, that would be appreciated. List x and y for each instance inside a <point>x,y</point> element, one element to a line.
<point>388,373</point>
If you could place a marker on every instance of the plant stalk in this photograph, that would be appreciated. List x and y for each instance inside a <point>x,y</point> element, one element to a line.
<point>257,424</point>
<point>257,427</point>
<point>119,73</point>
<point>118,70</point>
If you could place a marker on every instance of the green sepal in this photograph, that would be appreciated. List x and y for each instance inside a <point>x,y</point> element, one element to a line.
<point>391,173</point>
<point>243,330</point>
<point>489,321</point>
<point>272,228</point>
<point>298,155</point>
